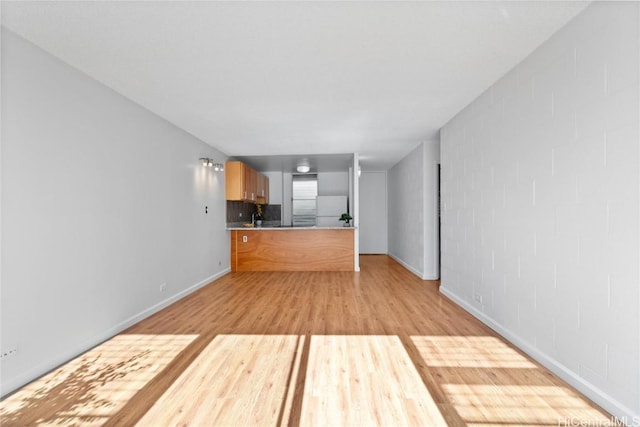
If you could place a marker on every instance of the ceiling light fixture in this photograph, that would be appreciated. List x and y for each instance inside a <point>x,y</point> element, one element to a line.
<point>303,168</point>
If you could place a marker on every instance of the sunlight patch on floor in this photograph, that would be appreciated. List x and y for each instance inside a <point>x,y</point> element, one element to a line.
<point>511,405</point>
<point>236,380</point>
<point>94,386</point>
<point>469,352</point>
<point>364,380</point>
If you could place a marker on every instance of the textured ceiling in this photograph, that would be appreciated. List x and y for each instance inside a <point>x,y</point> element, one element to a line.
<point>282,78</point>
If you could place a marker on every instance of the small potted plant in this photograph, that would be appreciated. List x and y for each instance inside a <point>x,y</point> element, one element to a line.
<point>346,218</point>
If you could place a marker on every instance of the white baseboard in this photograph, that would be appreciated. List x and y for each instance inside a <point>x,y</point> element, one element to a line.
<point>15,383</point>
<point>407,266</point>
<point>412,269</point>
<point>165,303</point>
<point>610,404</point>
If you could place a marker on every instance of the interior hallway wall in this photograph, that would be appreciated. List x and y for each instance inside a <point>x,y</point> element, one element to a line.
<point>373,213</point>
<point>540,190</point>
<point>103,212</point>
<point>413,211</point>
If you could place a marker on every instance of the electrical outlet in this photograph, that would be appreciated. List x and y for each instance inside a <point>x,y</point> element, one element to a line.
<point>477,297</point>
<point>163,287</point>
<point>10,352</point>
<point>244,239</point>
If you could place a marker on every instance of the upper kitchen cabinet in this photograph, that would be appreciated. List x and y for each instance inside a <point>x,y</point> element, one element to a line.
<point>250,184</point>
<point>244,184</point>
<point>263,189</point>
<point>239,182</point>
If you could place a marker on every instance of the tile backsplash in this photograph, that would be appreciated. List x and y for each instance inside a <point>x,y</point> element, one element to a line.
<point>241,212</point>
<point>272,212</point>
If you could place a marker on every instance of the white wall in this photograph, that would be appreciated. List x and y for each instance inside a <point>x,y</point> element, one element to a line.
<point>541,206</point>
<point>353,183</point>
<point>287,196</point>
<point>373,213</point>
<point>431,239</point>
<point>412,207</point>
<point>275,187</point>
<point>102,202</point>
<point>333,183</point>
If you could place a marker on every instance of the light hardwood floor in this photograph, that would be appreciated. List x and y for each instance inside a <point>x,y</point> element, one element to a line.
<point>379,347</point>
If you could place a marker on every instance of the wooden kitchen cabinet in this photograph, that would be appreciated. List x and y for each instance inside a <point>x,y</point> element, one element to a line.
<point>243,183</point>
<point>240,182</point>
<point>251,184</point>
<point>263,189</point>
<point>290,249</point>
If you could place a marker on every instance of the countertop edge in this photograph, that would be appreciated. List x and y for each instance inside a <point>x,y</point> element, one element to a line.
<point>288,228</point>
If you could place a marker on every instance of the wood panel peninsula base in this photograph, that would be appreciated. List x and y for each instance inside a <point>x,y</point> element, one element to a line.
<point>292,249</point>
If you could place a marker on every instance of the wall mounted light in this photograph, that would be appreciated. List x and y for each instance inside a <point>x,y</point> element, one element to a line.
<point>209,163</point>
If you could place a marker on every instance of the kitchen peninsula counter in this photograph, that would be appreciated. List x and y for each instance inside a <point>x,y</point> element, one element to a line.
<point>292,248</point>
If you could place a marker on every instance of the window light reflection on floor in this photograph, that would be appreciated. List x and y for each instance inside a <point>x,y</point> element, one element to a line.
<point>490,404</point>
<point>306,380</point>
<point>365,380</point>
<point>490,383</point>
<point>235,380</point>
<point>469,351</point>
<point>91,388</point>
<point>251,380</point>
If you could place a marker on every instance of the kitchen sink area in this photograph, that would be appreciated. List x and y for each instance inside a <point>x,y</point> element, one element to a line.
<point>286,221</point>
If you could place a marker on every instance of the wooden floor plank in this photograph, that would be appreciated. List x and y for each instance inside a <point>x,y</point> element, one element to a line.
<point>345,375</point>
<point>378,347</point>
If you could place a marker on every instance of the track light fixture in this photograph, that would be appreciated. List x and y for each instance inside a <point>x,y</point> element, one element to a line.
<point>209,163</point>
